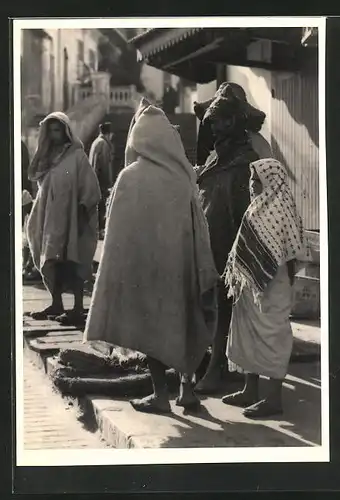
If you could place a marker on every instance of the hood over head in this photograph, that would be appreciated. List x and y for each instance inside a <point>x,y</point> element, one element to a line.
<point>153,137</point>
<point>40,157</point>
<point>62,118</point>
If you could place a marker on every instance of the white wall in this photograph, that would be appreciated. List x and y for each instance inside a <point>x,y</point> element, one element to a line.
<point>86,117</point>
<point>257,85</point>
<point>152,79</point>
<point>174,81</point>
<point>204,92</point>
<point>47,47</point>
<point>91,39</point>
<point>187,100</point>
<point>68,38</point>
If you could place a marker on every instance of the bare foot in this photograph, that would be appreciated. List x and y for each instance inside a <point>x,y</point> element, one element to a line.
<point>264,409</point>
<point>151,404</point>
<point>210,383</point>
<point>187,398</point>
<point>242,399</point>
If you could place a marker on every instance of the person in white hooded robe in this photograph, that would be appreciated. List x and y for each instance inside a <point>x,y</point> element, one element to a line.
<point>156,284</point>
<point>62,226</point>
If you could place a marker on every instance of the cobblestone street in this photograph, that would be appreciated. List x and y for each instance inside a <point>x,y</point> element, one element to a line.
<point>49,421</point>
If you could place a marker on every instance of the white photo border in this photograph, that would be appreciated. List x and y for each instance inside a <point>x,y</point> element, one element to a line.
<point>178,455</point>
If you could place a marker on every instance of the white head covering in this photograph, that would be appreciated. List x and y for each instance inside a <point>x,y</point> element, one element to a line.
<point>39,165</point>
<point>271,233</point>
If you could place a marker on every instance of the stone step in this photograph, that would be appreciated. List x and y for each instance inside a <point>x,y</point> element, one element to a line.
<point>38,331</point>
<point>216,425</point>
<point>52,342</point>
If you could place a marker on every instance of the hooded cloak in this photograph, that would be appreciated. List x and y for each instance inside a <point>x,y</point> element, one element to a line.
<point>155,287</point>
<point>66,182</point>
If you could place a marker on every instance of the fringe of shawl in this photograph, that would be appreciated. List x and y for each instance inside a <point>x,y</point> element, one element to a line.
<point>235,281</point>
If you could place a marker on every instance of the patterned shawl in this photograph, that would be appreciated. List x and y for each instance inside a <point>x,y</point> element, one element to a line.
<point>270,235</point>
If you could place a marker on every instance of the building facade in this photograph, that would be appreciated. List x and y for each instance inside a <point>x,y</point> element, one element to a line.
<point>59,72</point>
<point>278,69</point>
<point>54,64</point>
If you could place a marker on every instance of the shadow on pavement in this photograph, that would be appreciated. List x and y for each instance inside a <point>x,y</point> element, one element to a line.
<point>300,425</point>
<point>223,426</point>
<point>303,402</point>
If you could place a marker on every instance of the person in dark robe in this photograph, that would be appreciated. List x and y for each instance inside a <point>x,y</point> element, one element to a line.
<point>26,184</point>
<point>101,158</point>
<point>224,192</point>
<point>170,100</point>
<point>205,142</point>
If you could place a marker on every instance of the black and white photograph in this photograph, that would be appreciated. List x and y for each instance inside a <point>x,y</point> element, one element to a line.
<point>171,248</point>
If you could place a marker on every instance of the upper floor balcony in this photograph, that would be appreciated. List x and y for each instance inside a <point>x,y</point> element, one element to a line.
<point>88,106</point>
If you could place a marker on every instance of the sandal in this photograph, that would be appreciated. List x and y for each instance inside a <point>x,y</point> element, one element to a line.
<point>71,318</point>
<point>263,409</point>
<point>239,399</point>
<point>48,313</point>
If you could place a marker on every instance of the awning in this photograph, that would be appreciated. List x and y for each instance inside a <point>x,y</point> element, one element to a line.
<point>193,53</point>
<point>157,39</point>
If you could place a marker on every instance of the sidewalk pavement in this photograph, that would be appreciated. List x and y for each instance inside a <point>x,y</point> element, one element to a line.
<point>216,425</point>
<point>49,422</point>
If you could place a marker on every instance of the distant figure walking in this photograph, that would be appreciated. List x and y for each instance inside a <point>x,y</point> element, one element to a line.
<point>62,226</point>
<point>170,100</point>
<point>101,158</point>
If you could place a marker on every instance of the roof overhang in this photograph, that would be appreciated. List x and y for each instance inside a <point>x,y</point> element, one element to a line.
<point>193,53</point>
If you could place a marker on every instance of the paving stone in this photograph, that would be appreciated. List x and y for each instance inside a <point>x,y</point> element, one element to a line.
<point>60,337</point>
<point>122,427</point>
<point>32,327</point>
<point>218,425</point>
<point>49,423</point>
